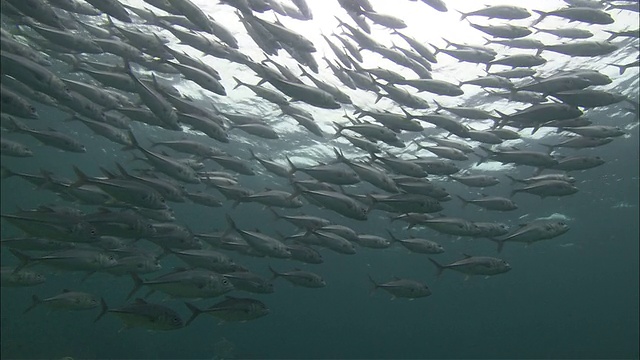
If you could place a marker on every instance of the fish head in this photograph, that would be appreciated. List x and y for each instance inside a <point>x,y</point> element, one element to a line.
<point>559,227</point>
<point>148,265</point>
<point>437,248</point>
<point>170,321</point>
<point>502,266</point>
<point>221,283</point>
<point>106,260</point>
<point>84,230</point>
<point>90,302</point>
<point>28,277</point>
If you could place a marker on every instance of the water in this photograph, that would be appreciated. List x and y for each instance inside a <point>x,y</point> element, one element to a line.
<point>575,296</point>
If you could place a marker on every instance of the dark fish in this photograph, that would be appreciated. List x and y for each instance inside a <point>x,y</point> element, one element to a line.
<point>146,315</point>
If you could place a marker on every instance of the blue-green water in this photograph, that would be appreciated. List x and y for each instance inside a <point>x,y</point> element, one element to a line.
<point>575,296</point>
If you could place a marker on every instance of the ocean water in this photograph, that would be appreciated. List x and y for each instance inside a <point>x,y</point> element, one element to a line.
<point>572,297</point>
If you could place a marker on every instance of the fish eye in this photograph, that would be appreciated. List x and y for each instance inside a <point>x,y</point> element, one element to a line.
<point>225,281</point>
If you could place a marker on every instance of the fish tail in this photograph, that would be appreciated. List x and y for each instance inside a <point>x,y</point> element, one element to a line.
<point>137,284</point>
<point>550,147</point>
<point>621,68</point>
<point>5,172</point>
<point>406,113</point>
<point>513,192</point>
<point>338,128</point>
<point>15,125</point>
<point>103,309</point>
<point>122,170</point>
<point>465,202</point>
<point>232,225</point>
<point>36,301</point>
<point>438,106</point>
<point>462,15</point>
<point>481,159</point>
<point>293,166</point>
<point>275,273</point>
<point>542,16</point>
<point>127,68</point>
<point>76,65</point>
<point>440,268</point>
<point>134,142</point>
<point>339,155</point>
<point>304,72</point>
<point>195,311</point>
<point>513,180</point>
<point>24,259</point>
<point>275,213</point>
<point>374,284</point>
<point>357,110</point>
<point>238,82</point>
<point>82,177</point>
<point>499,243</point>
<point>393,238</point>
<point>107,173</point>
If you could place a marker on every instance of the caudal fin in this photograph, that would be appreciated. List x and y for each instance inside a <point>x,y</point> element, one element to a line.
<point>465,202</point>
<point>104,309</point>
<point>274,273</point>
<point>440,268</point>
<point>36,301</point>
<point>499,243</point>
<point>137,284</point>
<point>374,284</point>
<point>195,311</point>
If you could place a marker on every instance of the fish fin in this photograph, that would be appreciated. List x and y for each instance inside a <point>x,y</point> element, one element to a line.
<point>103,310</point>
<point>499,242</point>
<point>35,302</point>
<point>82,178</point>
<point>137,284</point>
<point>275,273</point>
<point>195,311</point>
<point>465,202</point>
<point>440,268</point>
<point>24,259</point>
<point>89,273</point>
<point>374,283</point>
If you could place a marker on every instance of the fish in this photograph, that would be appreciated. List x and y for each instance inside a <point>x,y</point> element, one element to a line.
<point>403,288</point>
<point>545,188</point>
<point>533,232</point>
<point>263,243</point>
<point>300,278</point>
<point>196,283</point>
<point>507,12</point>
<point>495,203</point>
<point>12,277</point>
<point>67,300</point>
<point>231,309</point>
<point>146,315</point>
<point>418,245</point>
<point>475,265</point>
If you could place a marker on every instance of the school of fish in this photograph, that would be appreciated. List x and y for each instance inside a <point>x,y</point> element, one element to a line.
<point>388,134</point>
